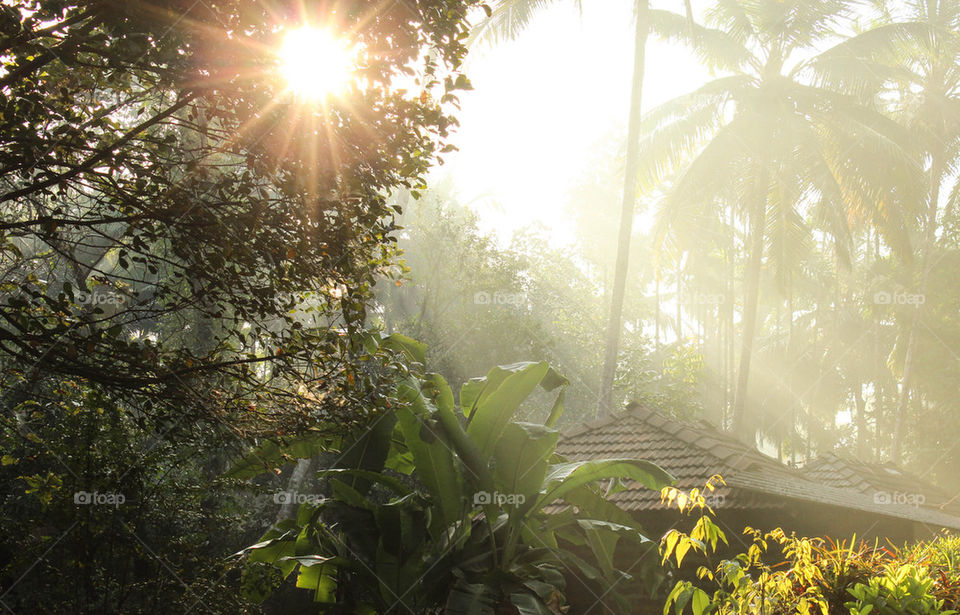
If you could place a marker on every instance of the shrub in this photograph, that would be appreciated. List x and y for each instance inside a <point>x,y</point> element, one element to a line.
<point>817,575</point>
<point>439,507</point>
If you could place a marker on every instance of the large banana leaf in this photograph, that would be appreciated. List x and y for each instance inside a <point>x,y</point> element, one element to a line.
<point>471,599</point>
<point>566,477</point>
<point>437,466</point>
<point>368,450</point>
<point>389,482</point>
<point>272,453</point>
<point>476,390</point>
<point>529,604</point>
<point>409,347</point>
<point>521,458</point>
<point>494,410</point>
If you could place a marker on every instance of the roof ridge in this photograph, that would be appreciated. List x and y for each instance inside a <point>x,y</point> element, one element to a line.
<point>706,436</point>
<point>588,426</point>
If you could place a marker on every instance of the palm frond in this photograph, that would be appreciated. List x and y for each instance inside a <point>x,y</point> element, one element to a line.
<point>675,131</point>
<point>732,17</point>
<point>861,65</point>
<point>715,48</point>
<point>709,176</point>
<point>507,19</point>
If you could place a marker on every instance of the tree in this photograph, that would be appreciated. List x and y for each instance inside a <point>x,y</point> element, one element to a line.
<point>152,169</point>
<point>777,143</point>
<point>508,18</point>
<point>476,303</point>
<point>912,55</point>
<point>186,257</point>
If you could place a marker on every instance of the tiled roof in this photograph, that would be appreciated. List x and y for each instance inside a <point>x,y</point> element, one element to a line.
<point>879,481</point>
<point>693,452</point>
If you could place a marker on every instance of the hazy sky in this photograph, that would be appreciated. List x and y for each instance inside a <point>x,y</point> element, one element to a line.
<point>542,102</point>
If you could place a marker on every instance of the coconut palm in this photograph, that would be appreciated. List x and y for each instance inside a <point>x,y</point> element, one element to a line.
<point>507,19</point>
<point>771,137</point>
<point>913,56</point>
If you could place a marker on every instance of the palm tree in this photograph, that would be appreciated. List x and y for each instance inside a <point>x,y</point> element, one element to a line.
<point>914,55</point>
<point>770,134</point>
<point>508,19</point>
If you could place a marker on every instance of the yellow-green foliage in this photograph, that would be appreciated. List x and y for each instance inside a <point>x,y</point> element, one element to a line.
<point>816,575</point>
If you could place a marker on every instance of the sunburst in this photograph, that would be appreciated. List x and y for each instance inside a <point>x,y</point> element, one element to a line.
<point>315,63</point>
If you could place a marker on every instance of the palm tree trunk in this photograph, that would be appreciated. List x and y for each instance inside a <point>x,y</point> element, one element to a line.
<point>861,420</point>
<point>605,403</point>
<point>929,241</point>
<point>679,302</point>
<point>731,307</point>
<point>656,313</point>
<point>758,219</point>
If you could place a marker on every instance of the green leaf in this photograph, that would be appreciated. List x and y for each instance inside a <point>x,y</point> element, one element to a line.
<point>470,599</point>
<point>273,548</point>
<point>321,580</point>
<point>495,410</point>
<point>529,604</point>
<point>594,505</point>
<point>557,410</point>
<point>402,526</point>
<point>522,457</point>
<point>343,492</point>
<point>603,543</point>
<point>476,390</point>
<point>373,477</point>
<point>437,467</point>
<point>700,602</point>
<point>368,450</point>
<point>272,453</point>
<point>565,477</point>
<point>441,393</point>
<point>409,347</point>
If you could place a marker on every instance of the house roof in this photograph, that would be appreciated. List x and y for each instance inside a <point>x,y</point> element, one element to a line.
<point>694,451</point>
<point>885,481</point>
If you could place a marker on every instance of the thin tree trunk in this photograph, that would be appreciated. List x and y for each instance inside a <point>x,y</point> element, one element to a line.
<point>605,403</point>
<point>877,416</point>
<point>861,421</point>
<point>929,239</point>
<point>656,316</point>
<point>679,298</point>
<point>751,291</point>
<point>731,308</point>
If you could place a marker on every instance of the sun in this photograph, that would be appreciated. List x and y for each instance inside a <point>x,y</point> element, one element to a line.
<point>315,63</point>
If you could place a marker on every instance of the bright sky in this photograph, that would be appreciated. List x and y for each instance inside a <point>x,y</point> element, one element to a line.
<point>543,101</point>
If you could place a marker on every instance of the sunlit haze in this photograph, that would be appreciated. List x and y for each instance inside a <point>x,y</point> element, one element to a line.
<point>515,166</point>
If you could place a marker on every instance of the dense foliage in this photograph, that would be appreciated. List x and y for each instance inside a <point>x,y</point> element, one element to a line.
<point>816,575</point>
<point>186,256</point>
<point>442,507</point>
<point>458,288</point>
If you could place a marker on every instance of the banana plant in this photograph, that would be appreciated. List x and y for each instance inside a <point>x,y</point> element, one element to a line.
<point>446,507</point>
